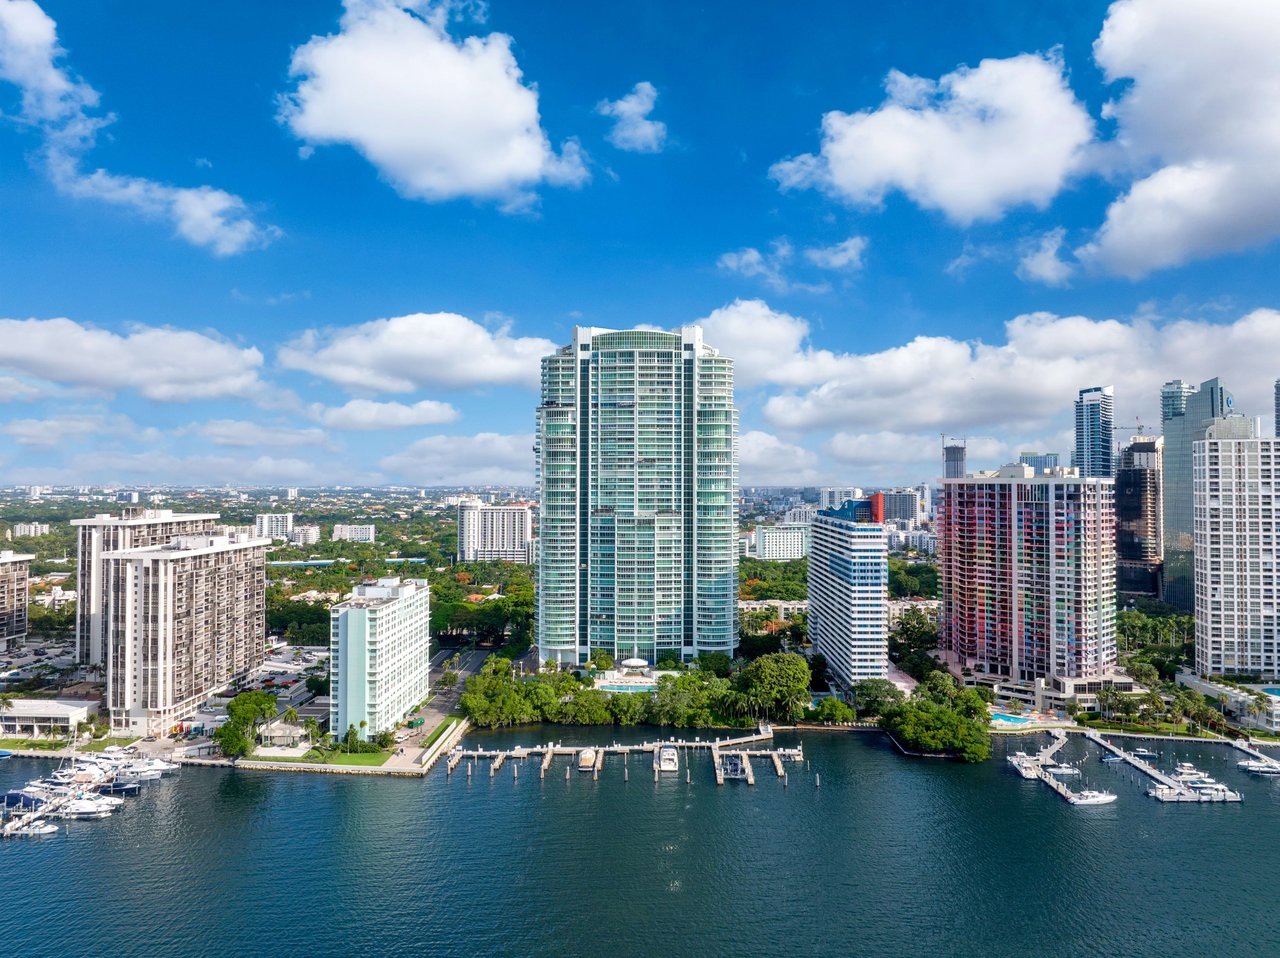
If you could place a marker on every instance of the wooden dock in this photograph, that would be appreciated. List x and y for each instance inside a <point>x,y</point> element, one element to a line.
<point>1165,789</point>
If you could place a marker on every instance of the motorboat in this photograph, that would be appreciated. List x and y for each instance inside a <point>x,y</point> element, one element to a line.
<point>1024,763</point>
<point>668,759</point>
<point>587,760</point>
<point>1111,759</point>
<point>127,789</point>
<point>1145,753</point>
<point>35,829</point>
<point>4,754</point>
<point>1185,772</point>
<point>83,809</point>
<point>1062,770</point>
<point>1091,797</point>
<point>1259,766</point>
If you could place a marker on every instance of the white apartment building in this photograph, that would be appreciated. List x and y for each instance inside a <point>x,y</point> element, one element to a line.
<point>833,497</point>
<point>273,525</point>
<point>183,619</point>
<point>304,535</point>
<point>361,533</point>
<point>848,601</point>
<point>380,644</point>
<point>1236,486</point>
<point>495,533</point>
<point>14,578</point>
<point>803,514</point>
<point>24,530</point>
<point>291,494</point>
<point>783,542</point>
<point>134,529</point>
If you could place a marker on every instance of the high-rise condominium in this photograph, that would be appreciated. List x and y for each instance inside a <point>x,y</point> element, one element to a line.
<point>273,525</point>
<point>783,542</point>
<point>848,602</point>
<point>380,645</point>
<point>1095,430</point>
<point>182,620</point>
<point>1186,413</point>
<point>495,533</point>
<point>1039,460</point>
<point>135,529</point>
<point>1028,572</point>
<point>637,469</point>
<point>833,497</point>
<point>14,570</point>
<point>1139,519</point>
<point>953,461</point>
<point>1237,583</point>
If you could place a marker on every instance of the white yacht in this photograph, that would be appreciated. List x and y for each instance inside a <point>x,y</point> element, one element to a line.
<point>1062,770</point>
<point>1145,753</point>
<point>35,829</point>
<point>668,759</point>
<point>83,808</point>
<point>1185,772</point>
<point>587,760</point>
<point>1259,766</point>
<point>1090,797</point>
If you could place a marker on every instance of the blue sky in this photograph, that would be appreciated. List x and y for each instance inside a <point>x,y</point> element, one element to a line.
<point>304,243</point>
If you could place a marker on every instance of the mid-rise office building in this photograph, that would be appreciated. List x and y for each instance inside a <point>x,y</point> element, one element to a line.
<point>1186,414</point>
<point>1139,518</point>
<point>783,542</point>
<point>1039,461</point>
<point>355,533</point>
<point>133,529</point>
<point>848,597</point>
<point>1095,432</point>
<point>488,533</point>
<point>24,530</point>
<point>380,655</point>
<point>273,525</point>
<point>1028,572</point>
<point>1237,531</point>
<point>637,470</point>
<point>14,580</point>
<point>833,497</point>
<point>804,514</point>
<point>183,619</point>
<point>304,535</point>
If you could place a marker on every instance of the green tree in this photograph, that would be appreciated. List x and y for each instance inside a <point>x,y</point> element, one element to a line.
<point>876,696</point>
<point>447,680</point>
<point>832,709</point>
<point>233,741</point>
<point>779,683</point>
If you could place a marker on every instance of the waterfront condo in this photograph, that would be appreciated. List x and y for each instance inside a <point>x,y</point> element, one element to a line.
<point>637,470</point>
<point>380,644</point>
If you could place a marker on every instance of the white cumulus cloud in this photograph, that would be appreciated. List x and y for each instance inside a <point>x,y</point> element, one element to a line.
<point>633,131</point>
<point>368,414</point>
<point>1041,262</point>
<point>439,118</point>
<point>482,459</point>
<point>62,108</point>
<point>972,144</point>
<point>766,460</point>
<point>845,256</point>
<point>405,353</point>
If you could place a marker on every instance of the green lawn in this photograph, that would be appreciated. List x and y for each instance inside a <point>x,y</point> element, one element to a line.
<point>41,744</point>
<point>103,743</point>
<point>314,757</point>
<point>1160,728</point>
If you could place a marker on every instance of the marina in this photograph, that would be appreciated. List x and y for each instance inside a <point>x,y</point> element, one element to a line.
<point>1165,787</point>
<point>1041,766</point>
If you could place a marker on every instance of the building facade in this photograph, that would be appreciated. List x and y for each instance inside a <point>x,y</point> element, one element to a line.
<point>833,497</point>
<point>304,535</point>
<point>380,655</point>
<point>637,470</point>
<point>1028,573</point>
<point>1187,414</point>
<point>355,533</point>
<point>133,529</point>
<point>901,506</point>
<point>14,581</point>
<point>1039,460</point>
<point>183,620</point>
<point>1237,532</point>
<point>273,525</point>
<point>783,542</point>
<point>24,530</point>
<point>848,595</point>
<point>954,461</point>
<point>489,533</point>
<point>1139,518</point>
<point>1095,432</point>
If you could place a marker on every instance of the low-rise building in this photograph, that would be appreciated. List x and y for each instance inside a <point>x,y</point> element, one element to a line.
<point>1250,706</point>
<point>304,535</point>
<point>931,609</point>
<point>23,530</point>
<point>783,611</point>
<point>380,645</point>
<point>42,718</point>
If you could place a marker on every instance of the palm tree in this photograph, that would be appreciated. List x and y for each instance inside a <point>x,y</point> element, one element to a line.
<point>310,727</point>
<point>289,715</point>
<point>1154,701</point>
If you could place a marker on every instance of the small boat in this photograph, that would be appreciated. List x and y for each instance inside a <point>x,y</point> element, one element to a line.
<point>1091,797</point>
<point>4,754</point>
<point>1259,767</point>
<point>1111,759</point>
<point>81,808</point>
<point>36,829</point>
<point>668,759</point>
<point>1145,753</point>
<point>127,789</point>
<point>1062,770</point>
<point>587,760</point>
<point>731,765</point>
<point>1185,773</point>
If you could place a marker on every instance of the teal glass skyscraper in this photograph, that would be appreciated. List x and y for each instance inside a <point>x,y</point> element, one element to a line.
<point>1095,430</point>
<point>638,481</point>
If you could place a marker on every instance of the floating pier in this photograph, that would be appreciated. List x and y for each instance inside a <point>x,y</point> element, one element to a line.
<point>1166,788</point>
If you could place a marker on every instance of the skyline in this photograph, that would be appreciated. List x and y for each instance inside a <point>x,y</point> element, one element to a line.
<point>230,269</point>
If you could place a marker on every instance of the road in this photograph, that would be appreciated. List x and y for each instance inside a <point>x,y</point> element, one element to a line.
<point>444,702</point>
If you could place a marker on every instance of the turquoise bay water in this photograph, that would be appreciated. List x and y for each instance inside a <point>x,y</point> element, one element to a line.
<point>890,857</point>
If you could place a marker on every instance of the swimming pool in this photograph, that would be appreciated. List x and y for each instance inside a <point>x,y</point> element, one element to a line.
<point>1014,719</point>
<point>626,688</point>
<point>1275,692</point>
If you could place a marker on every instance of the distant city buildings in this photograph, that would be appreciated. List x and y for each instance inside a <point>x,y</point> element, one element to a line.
<point>1028,573</point>
<point>304,535</point>
<point>489,533</point>
<point>380,655</point>
<point>803,514</point>
<point>355,533</point>
<point>1237,529</point>
<point>1187,414</point>
<point>1039,461</point>
<point>848,602</point>
<point>291,494</point>
<point>23,530</point>
<point>783,542</point>
<point>14,577</point>
<point>182,620</point>
<point>1140,518</point>
<point>637,472</point>
<point>1095,432</point>
<point>133,529</point>
<point>833,497</point>
<point>273,525</point>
